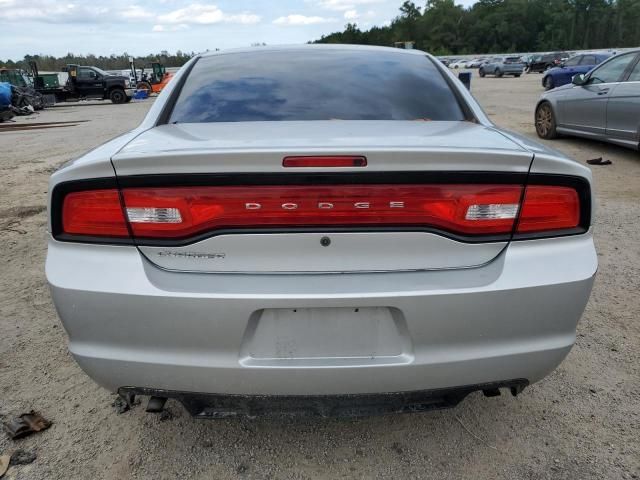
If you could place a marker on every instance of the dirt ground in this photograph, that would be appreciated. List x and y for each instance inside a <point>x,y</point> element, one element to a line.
<point>582,422</point>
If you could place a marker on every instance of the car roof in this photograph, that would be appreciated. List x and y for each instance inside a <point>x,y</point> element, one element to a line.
<point>311,47</point>
<point>620,52</point>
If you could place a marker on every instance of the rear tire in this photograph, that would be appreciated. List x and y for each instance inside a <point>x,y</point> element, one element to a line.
<point>548,82</point>
<point>144,86</point>
<point>516,75</point>
<point>545,121</point>
<point>481,73</point>
<point>499,73</point>
<point>118,96</point>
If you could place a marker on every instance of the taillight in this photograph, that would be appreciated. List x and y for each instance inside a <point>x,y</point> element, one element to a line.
<point>462,209</point>
<point>547,208</point>
<point>177,214</point>
<point>94,213</point>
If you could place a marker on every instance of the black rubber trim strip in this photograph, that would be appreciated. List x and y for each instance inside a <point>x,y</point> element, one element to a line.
<point>167,109</point>
<point>214,406</point>
<point>320,178</point>
<point>464,106</point>
<point>316,178</point>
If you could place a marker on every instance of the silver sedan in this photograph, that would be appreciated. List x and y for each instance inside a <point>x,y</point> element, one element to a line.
<point>328,229</point>
<point>604,104</point>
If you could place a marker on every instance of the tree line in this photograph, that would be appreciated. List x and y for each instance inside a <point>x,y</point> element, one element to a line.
<point>492,26</point>
<point>112,62</point>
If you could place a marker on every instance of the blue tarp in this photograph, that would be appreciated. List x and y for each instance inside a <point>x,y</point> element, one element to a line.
<point>5,94</point>
<point>141,94</point>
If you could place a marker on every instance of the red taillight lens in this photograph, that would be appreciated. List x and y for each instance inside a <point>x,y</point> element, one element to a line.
<point>325,161</point>
<point>178,213</point>
<point>182,212</point>
<point>94,213</point>
<point>549,208</point>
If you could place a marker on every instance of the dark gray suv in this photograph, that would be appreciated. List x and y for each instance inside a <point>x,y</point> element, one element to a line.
<point>500,66</point>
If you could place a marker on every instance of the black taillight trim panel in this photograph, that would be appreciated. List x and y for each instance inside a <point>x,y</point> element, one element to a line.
<point>317,178</point>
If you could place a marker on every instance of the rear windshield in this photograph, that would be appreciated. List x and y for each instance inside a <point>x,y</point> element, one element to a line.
<point>315,85</point>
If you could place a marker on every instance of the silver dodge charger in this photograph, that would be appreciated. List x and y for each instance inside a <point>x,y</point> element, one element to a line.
<point>334,230</point>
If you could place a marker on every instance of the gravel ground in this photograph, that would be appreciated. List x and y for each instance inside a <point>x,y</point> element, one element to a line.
<point>582,422</point>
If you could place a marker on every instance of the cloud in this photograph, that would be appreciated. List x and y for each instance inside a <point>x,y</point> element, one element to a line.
<point>351,15</point>
<point>136,12</point>
<point>50,11</point>
<point>169,28</point>
<point>78,11</point>
<point>296,20</point>
<point>206,14</point>
<point>345,5</point>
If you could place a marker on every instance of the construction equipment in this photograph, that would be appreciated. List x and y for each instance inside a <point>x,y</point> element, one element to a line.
<point>154,80</point>
<point>25,98</point>
<point>83,83</point>
<point>15,77</point>
<point>43,80</point>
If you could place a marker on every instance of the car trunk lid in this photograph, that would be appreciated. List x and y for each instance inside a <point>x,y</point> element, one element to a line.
<point>317,219</point>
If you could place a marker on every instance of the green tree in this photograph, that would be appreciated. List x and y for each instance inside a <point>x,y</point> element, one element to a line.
<point>442,27</point>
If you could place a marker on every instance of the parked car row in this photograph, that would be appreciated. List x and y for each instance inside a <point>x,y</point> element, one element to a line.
<point>592,94</point>
<point>464,63</point>
<point>497,65</point>
<point>558,68</point>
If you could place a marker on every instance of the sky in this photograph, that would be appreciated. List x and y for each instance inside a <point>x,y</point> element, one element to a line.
<point>140,27</point>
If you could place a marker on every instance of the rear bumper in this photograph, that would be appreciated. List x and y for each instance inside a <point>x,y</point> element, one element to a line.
<point>211,406</point>
<point>131,324</point>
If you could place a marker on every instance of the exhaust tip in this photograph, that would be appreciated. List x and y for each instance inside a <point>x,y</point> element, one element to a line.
<point>156,404</point>
<point>491,392</point>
